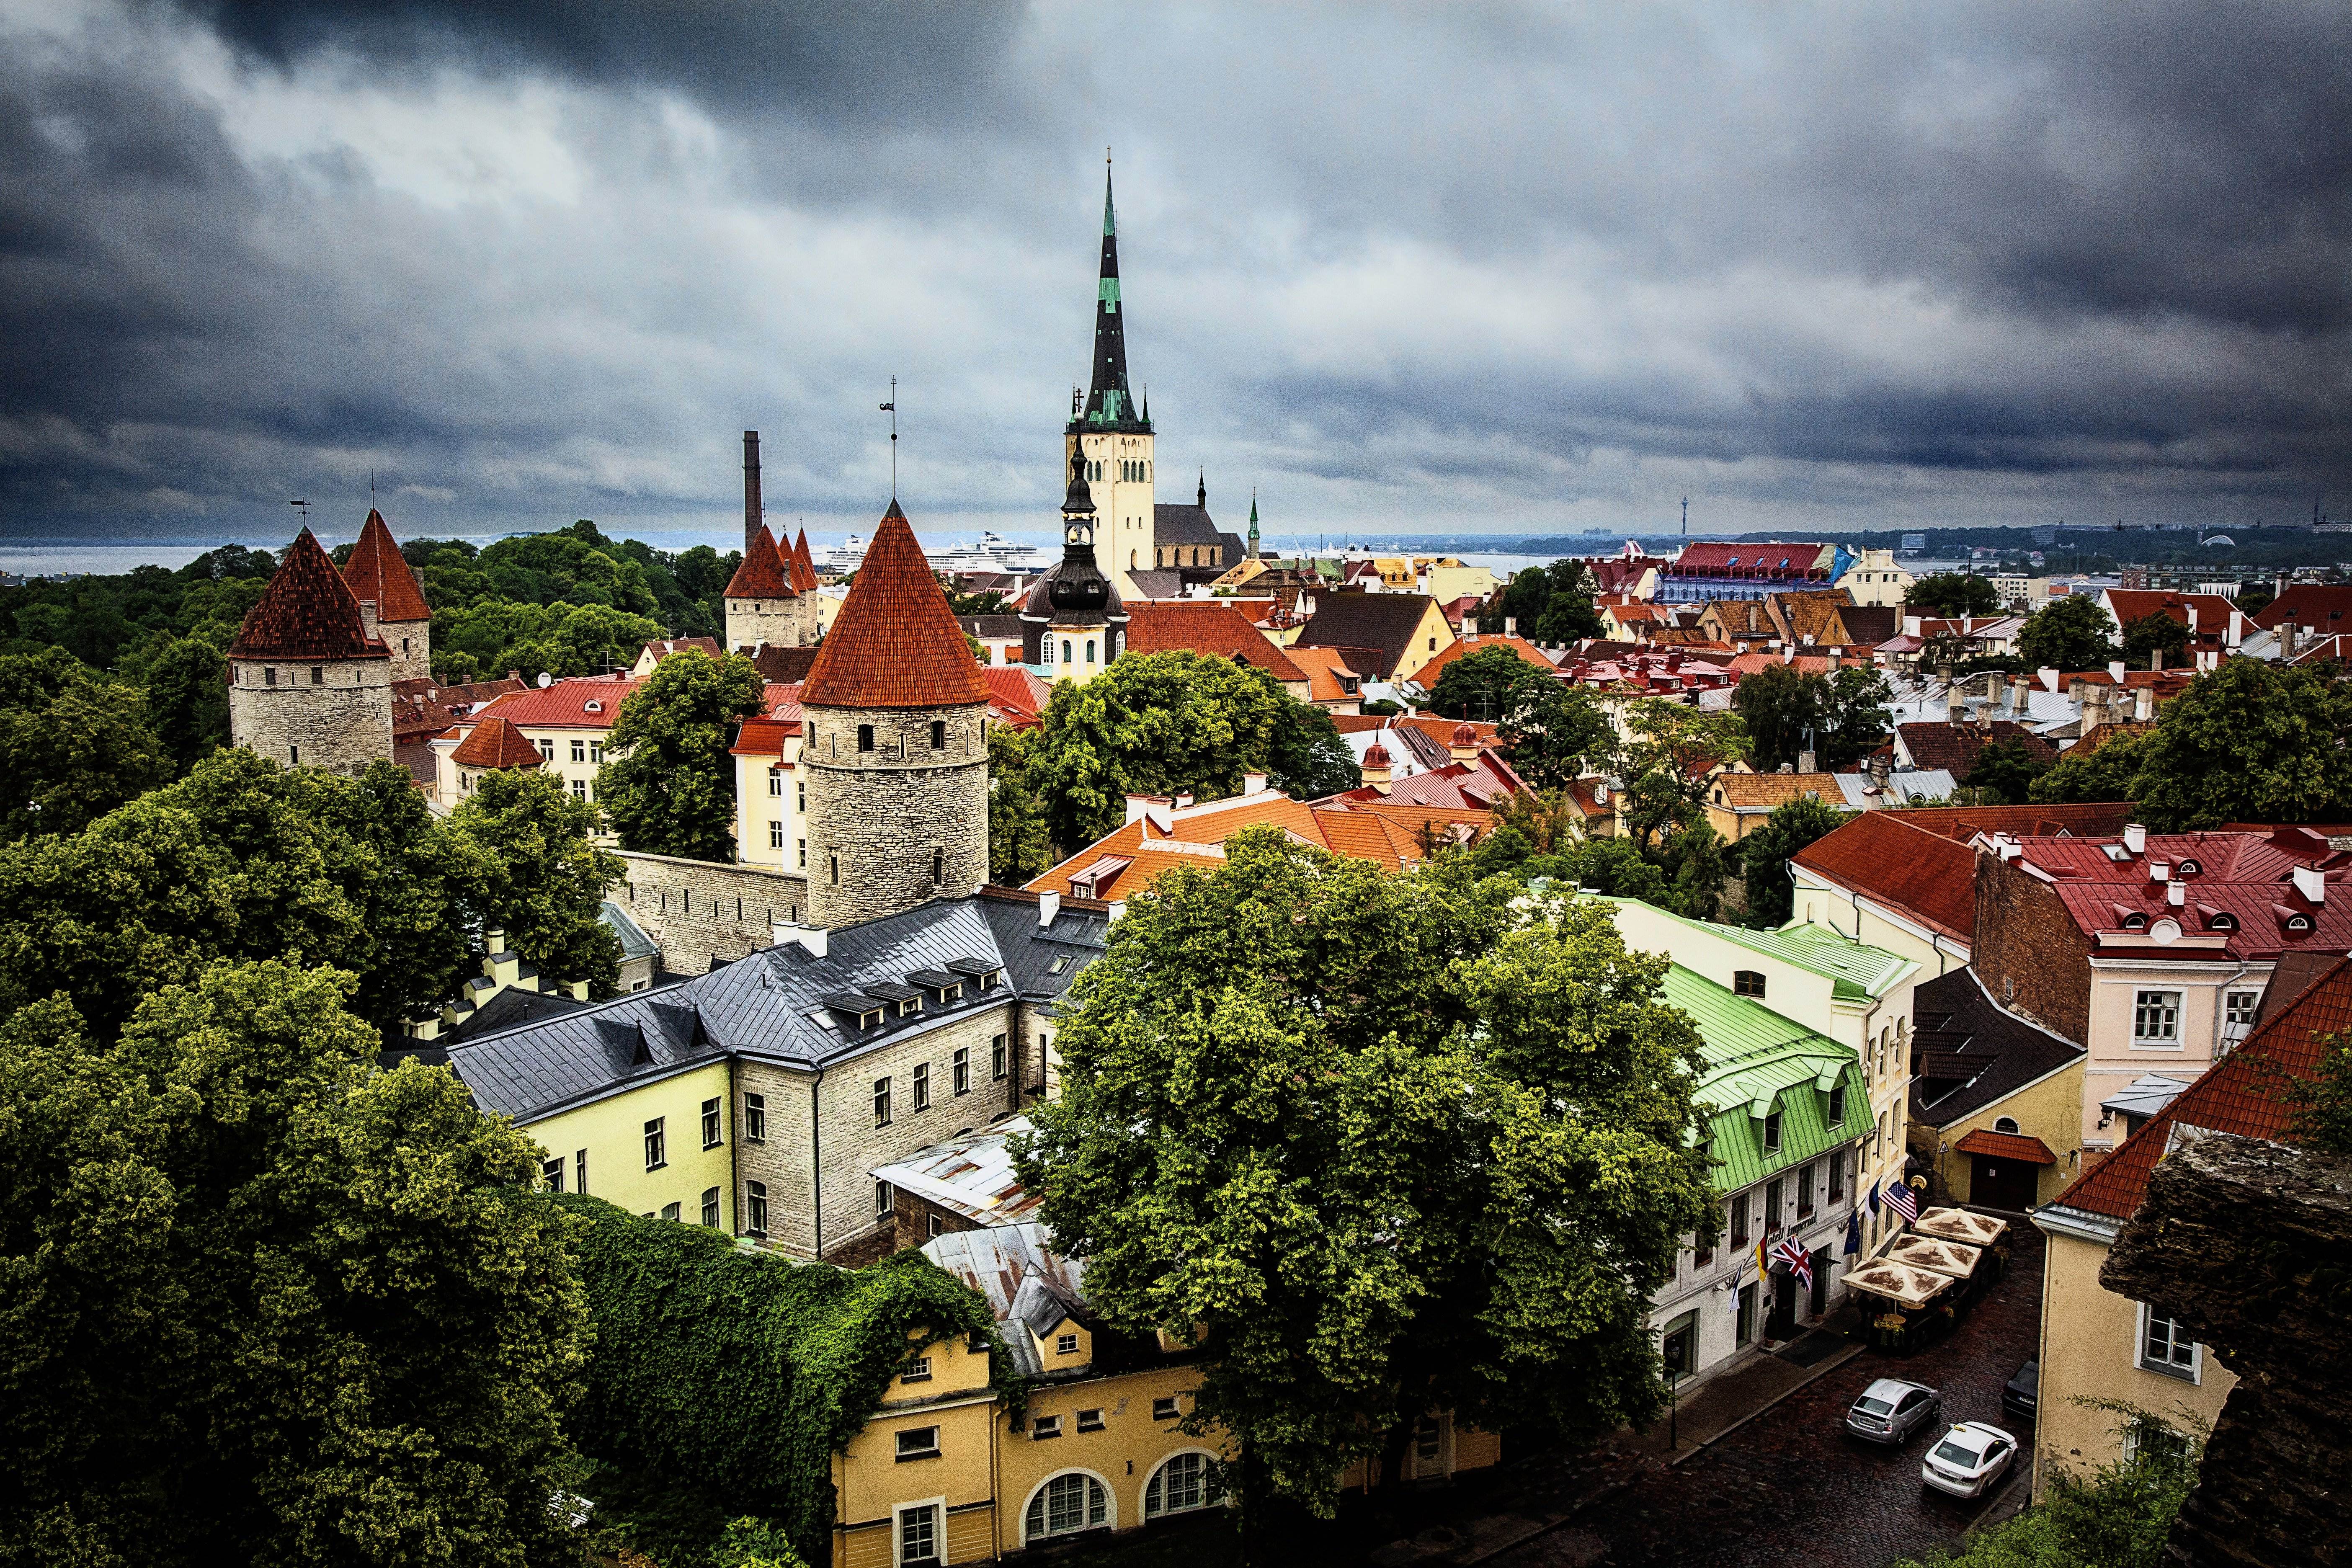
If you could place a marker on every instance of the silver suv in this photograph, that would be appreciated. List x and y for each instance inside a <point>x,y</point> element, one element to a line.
<point>1890,1410</point>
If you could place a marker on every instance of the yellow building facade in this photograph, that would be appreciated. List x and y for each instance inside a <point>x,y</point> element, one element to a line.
<point>662,1148</point>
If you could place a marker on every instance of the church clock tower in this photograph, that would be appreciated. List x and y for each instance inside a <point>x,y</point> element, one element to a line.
<point>1110,435</point>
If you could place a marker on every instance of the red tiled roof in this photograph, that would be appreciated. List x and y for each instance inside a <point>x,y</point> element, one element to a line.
<point>2242,876</point>
<point>801,565</point>
<point>1956,747</point>
<point>1922,875</point>
<point>762,575</point>
<point>306,612</point>
<point>2314,606</point>
<point>583,704</point>
<point>1427,674</point>
<point>2006,1146</point>
<point>2130,604</point>
<point>1440,730</point>
<point>2238,1094</point>
<point>422,708</point>
<point>496,743</point>
<point>895,643</point>
<point>377,570</point>
<point>1747,559</point>
<point>1015,687</point>
<point>764,737</point>
<point>1209,626</point>
<point>1963,823</point>
<point>661,648</point>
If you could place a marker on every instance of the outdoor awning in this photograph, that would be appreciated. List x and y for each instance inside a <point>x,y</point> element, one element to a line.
<point>2007,1146</point>
<point>1948,1257</point>
<point>1960,1224</point>
<point>1898,1283</point>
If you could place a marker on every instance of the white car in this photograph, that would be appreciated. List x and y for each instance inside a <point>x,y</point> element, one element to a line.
<point>1968,1458</point>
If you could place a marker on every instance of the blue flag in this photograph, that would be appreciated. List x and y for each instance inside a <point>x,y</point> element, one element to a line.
<point>1853,1233</point>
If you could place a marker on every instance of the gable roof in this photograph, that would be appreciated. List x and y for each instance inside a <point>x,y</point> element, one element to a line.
<point>495,744</point>
<point>894,642</point>
<point>1762,791</point>
<point>1921,875</point>
<point>1183,523</point>
<point>801,566</point>
<point>1808,617</point>
<point>2324,608</point>
<point>1385,623</point>
<point>762,576</point>
<point>1972,1051</point>
<point>1206,625</point>
<point>780,665</point>
<point>1956,747</point>
<point>586,702</point>
<point>1868,625</point>
<point>306,612</point>
<point>1323,668</point>
<point>1758,1062</point>
<point>662,648</point>
<point>1426,672</point>
<point>1856,971</point>
<point>2238,1094</point>
<point>376,570</point>
<point>2211,611</point>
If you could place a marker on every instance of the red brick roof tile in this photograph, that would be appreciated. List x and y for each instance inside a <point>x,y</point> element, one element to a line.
<point>306,612</point>
<point>1207,626</point>
<point>2006,1146</point>
<point>1921,874</point>
<point>762,575</point>
<point>895,643</point>
<point>377,570</point>
<point>802,565</point>
<point>495,744</point>
<point>587,703</point>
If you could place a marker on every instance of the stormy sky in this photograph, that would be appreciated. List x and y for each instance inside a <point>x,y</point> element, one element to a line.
<point>1494,269</point>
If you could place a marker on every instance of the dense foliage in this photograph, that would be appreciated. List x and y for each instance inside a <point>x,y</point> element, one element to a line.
<point>1551,605</point>
<point>1954,594</point>
<point>2004,773</point>
<point>2154,634</point>
<point>2101,772</point>
<point>1018,848</point>
<point>1669,761</point>
<point>1490,684</point>
<point>72,746</point>
<point>268,1303</point>
<point>1841,717</point>
<point>1165,723</point>
<point>1420,1153</point>
<point>741,1369</point>
<point>668,780</point>
<point>1765,854</point>
<point>245,860</point>
<point>2070,633</point>
<point>1559,735</point>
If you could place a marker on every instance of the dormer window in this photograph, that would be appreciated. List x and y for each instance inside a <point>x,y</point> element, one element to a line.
<point>592,706</point>
<point>2135,920</point>
<point>869,1020</point>
<point>910,1005</point>
<point>1772,1131</point>
<point>2220,920</point>
<point>1746,982</point>
<point>2187,868</point>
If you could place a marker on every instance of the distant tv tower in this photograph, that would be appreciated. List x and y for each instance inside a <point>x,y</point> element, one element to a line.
<point>1685,517</point>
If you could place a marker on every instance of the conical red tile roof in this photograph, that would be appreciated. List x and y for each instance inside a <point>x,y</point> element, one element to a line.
<point>376,570</point>
<point>803,565</point>
<point>306,612</point>
<point>762,575</point>
<point>495,744</point>
<point>895,644</point>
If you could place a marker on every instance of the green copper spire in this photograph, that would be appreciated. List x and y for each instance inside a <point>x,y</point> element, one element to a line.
<point>1109,405</point>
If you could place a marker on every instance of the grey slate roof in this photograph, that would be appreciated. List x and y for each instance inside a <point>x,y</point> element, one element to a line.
<point>1158,582</point>
<point>1973,1051</point>
<point>773,1005</point>
<point>1179,524</point>
<point>1383,623</point>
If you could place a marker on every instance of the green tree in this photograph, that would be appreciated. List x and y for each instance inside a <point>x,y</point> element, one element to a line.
<point>1489,684</point>
<point>1783,710</point>
<point>1559,735</point>
<point>1699,864</point>
<point>1855,720</point>
<point>76,746</point>
<point>2107,772</point>
<point>669,783</point>
<point>1018,849</point>
<point>187,694</point>
<point>1569,613</point>
<point>2155,632</point>
<point>2069,634</point>
<point>2250,742</point>
<point>2323,1103</point>
<point>1306,756</point>
<point>526,862</point>
<point>2005,772</point>
<point>292,1309</point>
<point>1765,854</point>
<point>1416,1154</point>
<point>1674,750</point>
<point>1954,594</point>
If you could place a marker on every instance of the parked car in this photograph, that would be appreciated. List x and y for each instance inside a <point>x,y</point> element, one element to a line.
<point>1890,1410</point>
<point>1967,1460</point>
<point>2022,1395</point>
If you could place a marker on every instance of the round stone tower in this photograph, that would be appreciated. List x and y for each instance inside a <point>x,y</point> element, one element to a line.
<point>893,745</point>
<point>308,684</point>
<point>762,606</point>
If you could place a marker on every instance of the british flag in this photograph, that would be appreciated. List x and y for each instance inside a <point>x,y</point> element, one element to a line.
<point>1799,1259</point>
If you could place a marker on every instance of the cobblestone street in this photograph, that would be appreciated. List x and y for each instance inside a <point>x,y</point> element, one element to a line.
<point>1792,1487</point>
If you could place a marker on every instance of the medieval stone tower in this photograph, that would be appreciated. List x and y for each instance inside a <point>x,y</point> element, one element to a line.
<point>763,605</point>
<point>310,685</point>
<point>1111,436</point>
<point>390,604</point>
<point>893,746</point>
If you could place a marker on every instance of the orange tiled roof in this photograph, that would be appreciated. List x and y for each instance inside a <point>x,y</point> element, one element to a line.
<point>306,612</point>
<point>1323,668</point>
<point>764,737</point>
<point>496,743</point>
<point>801,566</point>
<point>1427,673</point>
<point>762,575</point>
<point>1762,791</point>
<point>895,643</point>
<point>2006,1146</point>
<point>377,570</point>
<point>1927,877</point>
<point>2238,1094</point>
<point>582,704</point>
<point>1017,689</point>
<point>1206,626</point>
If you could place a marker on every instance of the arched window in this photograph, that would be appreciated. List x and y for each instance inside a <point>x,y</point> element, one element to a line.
<point>2005,1124</point>
<point>1069,1503</point>
<point>1180,1486</point>
<point>1045,648</point>
<point>1065,651</point>
<point>1090,650</point>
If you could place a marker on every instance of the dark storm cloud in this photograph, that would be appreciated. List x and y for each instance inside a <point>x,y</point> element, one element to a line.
<point>1490,267</point>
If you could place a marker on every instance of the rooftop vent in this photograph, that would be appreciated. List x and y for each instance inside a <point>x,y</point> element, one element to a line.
<point>2135,838</point>
<point>2312,883</point>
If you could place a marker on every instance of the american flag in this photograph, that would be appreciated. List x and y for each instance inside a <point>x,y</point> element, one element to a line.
<point>1903,1200</point>
<point>1800,1260</point>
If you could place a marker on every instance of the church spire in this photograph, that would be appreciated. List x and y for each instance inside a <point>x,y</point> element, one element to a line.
<point>1109,404</point>
<point>1252,533</point>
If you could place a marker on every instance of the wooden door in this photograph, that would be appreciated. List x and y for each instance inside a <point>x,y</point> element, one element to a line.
<point>2001,1183</point>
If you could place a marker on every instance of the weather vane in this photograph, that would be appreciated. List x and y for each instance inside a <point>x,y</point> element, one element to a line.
<point>306,511</point>
<point>891,408</point>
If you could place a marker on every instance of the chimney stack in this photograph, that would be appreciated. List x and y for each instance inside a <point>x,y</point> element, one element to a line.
<point>752,509</point>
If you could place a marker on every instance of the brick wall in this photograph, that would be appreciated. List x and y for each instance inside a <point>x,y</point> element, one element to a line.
<point>341,722</point>
<point>880,820</point>
<point>698,911</point>
<point>2032,956</point>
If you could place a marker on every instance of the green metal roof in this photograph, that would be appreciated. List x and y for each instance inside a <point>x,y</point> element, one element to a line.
<point>1757,1062</point>
<point>1856,971</point>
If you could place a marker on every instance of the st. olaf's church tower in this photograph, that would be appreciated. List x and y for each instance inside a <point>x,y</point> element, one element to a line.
<point>1111,435</point>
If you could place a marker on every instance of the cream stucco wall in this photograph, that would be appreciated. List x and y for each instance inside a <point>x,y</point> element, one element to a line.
<point>2117,1057</point>
<point>574,755</point>
<point>2090,1349</point>
<point>1820,903</point>
<point>1123,529</point>
<point>771,802</point>
<point>1876,579</point>
<point>2050,1109</point>
<point>1447,584</point>
<point>612,1131</point>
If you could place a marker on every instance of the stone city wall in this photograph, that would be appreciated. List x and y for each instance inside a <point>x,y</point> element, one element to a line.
<point>700,912</point>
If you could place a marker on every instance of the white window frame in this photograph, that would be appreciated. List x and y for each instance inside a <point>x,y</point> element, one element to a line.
<point>2235,1030</point>
<point>2169,1041</point>
<point>1208,1500</point>
<point>2193,1375</point>
<point>1110,1504</point>
<point>939,1507</point>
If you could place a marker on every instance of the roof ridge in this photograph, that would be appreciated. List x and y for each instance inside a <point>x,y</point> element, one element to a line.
<point>376,570</point>
<point>762,573</point>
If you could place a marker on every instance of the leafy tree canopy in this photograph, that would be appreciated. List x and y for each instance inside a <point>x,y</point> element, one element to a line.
<point>75,746</point>
<point>1954,594</point>
<point>2004,773</point>
<point>290,1309</point>
<point>2152,634</point>
<point>2069,634</point>
<point>1674,751</point>
<point>1416,1154</point>
<point>1559,735</point>
<point>1018,848</point>
<point>668,781</point>
<point>1551,605</point>
<point>2106,772</point>
<point>1765,854</point>
<point>2250,742</point>
<point>1489,684</point>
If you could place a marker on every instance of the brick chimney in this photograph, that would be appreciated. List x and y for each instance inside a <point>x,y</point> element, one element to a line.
<point>752,509</point>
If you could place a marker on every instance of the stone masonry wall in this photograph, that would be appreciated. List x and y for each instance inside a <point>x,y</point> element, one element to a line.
<point>851,1144</point>
<point>410,643</point>
<point>699,913</point>
<point>781,623</point>
<point>880,820</point>
<point>341,722</point>
<point>2032,956</point>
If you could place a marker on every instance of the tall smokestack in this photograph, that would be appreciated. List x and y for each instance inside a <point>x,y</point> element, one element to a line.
<point>751,507</point>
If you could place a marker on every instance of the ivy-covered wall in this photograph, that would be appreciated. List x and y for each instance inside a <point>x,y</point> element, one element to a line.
<point>740,1369</point>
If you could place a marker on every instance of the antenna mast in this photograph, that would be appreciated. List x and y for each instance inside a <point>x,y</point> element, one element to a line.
<point>891,408</point>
